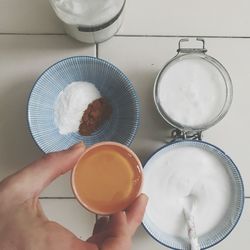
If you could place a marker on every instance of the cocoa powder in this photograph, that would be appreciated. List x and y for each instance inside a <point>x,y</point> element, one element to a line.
<point>94,116</point>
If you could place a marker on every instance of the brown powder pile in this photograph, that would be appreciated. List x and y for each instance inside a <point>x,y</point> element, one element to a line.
<point>94,116</point>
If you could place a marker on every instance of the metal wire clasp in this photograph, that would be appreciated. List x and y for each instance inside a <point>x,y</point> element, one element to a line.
<point>191,50</point>
<point>186,135</point>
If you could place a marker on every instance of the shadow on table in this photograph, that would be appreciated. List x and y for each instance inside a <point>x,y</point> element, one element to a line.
<point>17,147</point>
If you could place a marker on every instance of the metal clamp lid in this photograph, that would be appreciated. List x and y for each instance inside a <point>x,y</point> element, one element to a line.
<point>191,50</point>
<point>178,134</point>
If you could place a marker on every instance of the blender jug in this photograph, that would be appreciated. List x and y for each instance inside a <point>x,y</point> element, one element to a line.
<point>90,21</point>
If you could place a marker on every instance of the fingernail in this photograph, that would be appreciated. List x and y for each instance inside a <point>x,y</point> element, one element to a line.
<point>77,146</point>
<point>145,197</point>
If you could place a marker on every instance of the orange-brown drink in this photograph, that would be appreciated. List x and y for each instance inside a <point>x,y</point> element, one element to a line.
<point>107,178</point>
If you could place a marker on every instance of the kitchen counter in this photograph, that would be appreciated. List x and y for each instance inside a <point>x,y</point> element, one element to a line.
<point>32,38</point>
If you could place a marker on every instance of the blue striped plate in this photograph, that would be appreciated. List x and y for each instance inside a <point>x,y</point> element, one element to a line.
<point>112,84</point>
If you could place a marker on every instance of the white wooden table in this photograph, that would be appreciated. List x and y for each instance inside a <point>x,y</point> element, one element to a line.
<point>32,38</point>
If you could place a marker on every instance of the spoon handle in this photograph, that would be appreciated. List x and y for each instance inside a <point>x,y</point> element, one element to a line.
<point>192,232</point>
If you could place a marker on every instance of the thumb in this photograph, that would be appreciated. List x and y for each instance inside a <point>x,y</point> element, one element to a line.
<point>31,180</point>
<point>135,212</point>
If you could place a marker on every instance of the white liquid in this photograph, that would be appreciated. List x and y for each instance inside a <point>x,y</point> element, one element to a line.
<point>192,92</point>
<point>71,104</point>
<point>174,175</point>
<point>86,12</point>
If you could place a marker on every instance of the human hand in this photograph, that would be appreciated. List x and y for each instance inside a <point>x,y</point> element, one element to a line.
<point>115,233</point>
<point>24,226</point>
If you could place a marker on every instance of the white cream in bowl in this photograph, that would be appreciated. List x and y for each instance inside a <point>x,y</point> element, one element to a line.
<point>174,174</point>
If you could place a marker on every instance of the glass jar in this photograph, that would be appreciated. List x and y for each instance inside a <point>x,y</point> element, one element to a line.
<point>90,21</point>
<point>193,91</point>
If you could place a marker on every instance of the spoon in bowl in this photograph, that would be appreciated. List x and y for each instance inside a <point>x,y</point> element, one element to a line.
<point>189,207</point>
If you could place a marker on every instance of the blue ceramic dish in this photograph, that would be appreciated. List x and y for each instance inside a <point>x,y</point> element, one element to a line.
<point>112,84</point>
<point>232,216</point>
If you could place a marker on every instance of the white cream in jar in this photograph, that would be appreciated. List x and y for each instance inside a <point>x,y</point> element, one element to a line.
<point>191,92</point>
<point>87,12</point>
